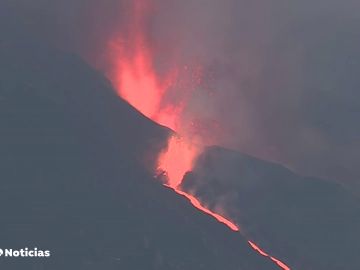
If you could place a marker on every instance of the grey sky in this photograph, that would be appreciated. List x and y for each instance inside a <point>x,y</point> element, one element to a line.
<point>284,75</point>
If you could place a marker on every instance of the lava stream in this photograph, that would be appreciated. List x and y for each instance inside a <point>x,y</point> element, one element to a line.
<point>260,251</point>
<point>175,162</point>
<point>136,80</point>
<point>195,202</point>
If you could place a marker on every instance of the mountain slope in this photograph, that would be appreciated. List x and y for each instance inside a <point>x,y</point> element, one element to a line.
<point>313,223</point>
<point>75,176</point>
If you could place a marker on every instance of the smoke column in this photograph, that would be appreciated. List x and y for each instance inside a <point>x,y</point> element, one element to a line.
<point>256,67</point>
<point>263,61</point>
<point>137,81</point>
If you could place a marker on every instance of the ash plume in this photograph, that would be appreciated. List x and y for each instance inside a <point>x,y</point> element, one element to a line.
<point>280,79</point>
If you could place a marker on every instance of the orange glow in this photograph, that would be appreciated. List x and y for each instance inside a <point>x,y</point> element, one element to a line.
<point>177,159</point>
<point>195,202</point>
<point>263,253</point>
<point>136,80</point>
<point>138,84</point>
<point>133,73</point>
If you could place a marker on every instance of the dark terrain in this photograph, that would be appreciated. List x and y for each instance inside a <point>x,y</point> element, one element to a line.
<point>75,176</point>
<point>313,223</point>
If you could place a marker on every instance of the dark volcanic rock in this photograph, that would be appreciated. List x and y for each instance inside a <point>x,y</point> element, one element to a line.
<point>310,223</point>
<point>73,178</point>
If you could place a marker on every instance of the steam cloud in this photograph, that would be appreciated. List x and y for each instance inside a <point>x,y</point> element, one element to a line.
<point>279,78</point>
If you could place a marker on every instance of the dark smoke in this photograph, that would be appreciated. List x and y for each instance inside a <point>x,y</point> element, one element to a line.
<point>282,75</point>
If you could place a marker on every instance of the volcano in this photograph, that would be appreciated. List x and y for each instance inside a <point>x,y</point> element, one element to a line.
<point>76,179</point>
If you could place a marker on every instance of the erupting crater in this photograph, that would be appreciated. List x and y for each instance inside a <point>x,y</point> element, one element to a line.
<point>177,159</point>
<point>137,81</point>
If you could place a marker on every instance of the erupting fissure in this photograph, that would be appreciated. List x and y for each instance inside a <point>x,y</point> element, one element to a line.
<point>136,80</point>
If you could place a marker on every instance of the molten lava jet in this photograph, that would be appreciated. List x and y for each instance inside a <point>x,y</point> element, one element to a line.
<point>137,81</point>
<point>176,160</point>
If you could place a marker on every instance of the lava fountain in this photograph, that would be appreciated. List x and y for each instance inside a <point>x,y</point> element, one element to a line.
<point>136,80</point>
<point>177,159</point>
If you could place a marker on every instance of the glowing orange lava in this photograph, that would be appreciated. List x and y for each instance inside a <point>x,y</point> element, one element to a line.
<point>195,202</point>
<point>136,80</point>
<point>137,74</point>
<point>133,73</point>
<point>263,253</point>
<point>177,159</point>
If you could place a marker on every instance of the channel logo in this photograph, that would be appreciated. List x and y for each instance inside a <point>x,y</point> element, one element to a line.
<point>24,253</point>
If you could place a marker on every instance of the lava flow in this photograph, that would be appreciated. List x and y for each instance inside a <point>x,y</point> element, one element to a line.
<point>137,82</point>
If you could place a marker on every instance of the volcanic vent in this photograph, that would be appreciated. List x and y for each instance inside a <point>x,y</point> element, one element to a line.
<point>137,81</point>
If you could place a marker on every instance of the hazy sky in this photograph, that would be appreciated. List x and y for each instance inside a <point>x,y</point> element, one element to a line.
<point>283,75</point>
